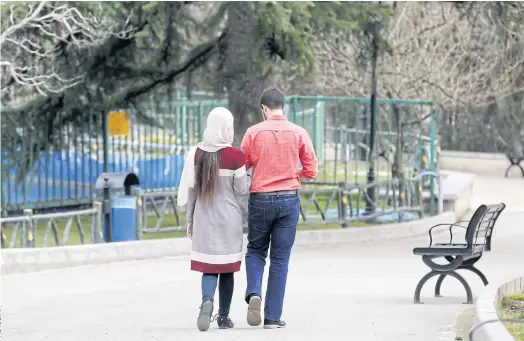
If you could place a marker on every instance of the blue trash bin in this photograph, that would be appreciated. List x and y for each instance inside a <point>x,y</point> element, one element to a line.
<point>123,219</point>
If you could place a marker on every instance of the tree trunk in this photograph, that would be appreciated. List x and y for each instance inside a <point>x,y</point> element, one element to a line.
<point>241,79</point>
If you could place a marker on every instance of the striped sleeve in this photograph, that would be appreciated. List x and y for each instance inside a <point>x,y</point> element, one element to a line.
<point>240,172</point>
<point>232,161</point>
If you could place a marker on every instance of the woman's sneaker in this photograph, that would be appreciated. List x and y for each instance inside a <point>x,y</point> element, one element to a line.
<point>204,317</point>
<point>224,322</point>
<point>268,324</point>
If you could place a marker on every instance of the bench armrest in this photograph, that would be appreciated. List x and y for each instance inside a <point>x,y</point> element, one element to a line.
<point>450,230</point>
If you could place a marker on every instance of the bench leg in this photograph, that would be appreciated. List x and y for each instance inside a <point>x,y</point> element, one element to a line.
<point>478,273</point>
<point>421,283</point>
<point>450,259</point>
<point>442,275</point>
<point>473,269</point>
<point>507,170</point>
<point>440,279</point>
<point>514,165</point>
<point>467,265</point>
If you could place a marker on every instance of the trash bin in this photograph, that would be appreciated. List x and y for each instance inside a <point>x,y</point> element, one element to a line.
<point>123,219</point>
<point>120,211</point>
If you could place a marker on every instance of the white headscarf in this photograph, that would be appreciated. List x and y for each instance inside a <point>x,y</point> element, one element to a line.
<point>219,134</point>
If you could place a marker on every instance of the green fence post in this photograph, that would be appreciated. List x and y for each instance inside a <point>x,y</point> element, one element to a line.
<point>105,128</point>
<point>139,228</point>
<point>433,147</point>
<point>200,121</point>
<point>433,150</point>
<point>342,204</point>
<point>185,134</point>
<point>319,131</point>
<point>28,231</point>
<point>294,103</point>
<point>97,223</point>
<point>315,125</point>
<point>3,199</point>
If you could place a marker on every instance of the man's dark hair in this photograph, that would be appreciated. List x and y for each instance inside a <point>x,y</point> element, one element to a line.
<point>273,99</point>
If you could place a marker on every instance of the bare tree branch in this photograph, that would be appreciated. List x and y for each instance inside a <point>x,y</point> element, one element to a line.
<point>469,57</point>
<point>35,39</point>
<point>437,55</point>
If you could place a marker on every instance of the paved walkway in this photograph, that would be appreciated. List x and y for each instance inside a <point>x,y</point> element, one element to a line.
<point>347,292</point>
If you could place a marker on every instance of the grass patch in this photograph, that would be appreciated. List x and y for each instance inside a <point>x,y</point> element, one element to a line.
<point>354,172</point>
<point>164,235</point>
<point>515,329</point>
<point>355,200</point>
<point>516,297</point>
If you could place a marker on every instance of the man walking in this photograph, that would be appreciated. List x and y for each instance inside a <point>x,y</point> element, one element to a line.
<point>273,148</point>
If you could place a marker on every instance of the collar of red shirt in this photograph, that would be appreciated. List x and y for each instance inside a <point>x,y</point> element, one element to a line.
<point>277,117</point>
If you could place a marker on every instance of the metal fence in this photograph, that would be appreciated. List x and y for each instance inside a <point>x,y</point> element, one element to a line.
<point>62,173</point>
<point>322,203</point>
<point>52,229</point>
<point>405,139</point>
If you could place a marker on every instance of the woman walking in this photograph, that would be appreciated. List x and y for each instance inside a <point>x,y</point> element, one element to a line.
<point>214,174</point>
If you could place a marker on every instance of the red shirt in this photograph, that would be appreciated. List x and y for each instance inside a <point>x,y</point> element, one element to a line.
<point>274,148</point>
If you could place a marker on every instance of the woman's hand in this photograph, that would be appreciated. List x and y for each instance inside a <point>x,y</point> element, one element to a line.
<point>190,230</point>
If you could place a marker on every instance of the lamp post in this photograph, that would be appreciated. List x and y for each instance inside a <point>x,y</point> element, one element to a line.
<point>371,188</point>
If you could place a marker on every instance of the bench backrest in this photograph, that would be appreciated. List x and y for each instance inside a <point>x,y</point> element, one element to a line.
<point>480,227</point>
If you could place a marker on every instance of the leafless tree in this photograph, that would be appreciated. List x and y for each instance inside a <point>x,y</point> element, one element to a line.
<point>35,38</point>
<point>440,53</point>
<point>436,53</point>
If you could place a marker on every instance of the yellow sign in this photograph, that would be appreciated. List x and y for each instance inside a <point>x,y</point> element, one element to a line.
<point>118,123</point>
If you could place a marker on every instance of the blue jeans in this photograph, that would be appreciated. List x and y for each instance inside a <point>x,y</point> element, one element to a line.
<point>272,219</point>
<point>226,284</point>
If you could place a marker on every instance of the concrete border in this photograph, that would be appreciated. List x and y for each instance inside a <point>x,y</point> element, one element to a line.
<point>36,259</point>
<point>457,190</point>
<point>486,310</point>
<point>473,155</point>
<point>474,162</point>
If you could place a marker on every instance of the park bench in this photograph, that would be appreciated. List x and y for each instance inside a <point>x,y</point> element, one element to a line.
<point>515,162</point>
<point>460,255</point>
